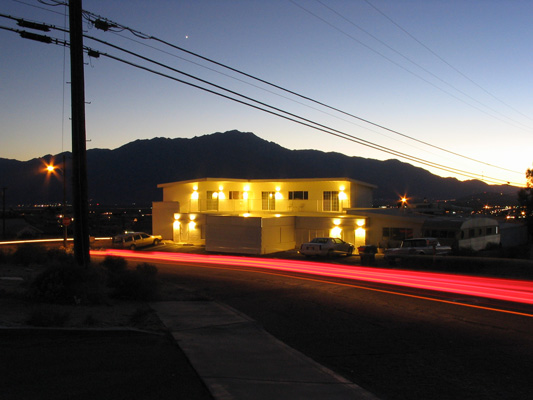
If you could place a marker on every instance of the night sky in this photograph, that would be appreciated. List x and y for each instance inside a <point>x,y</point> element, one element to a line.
<point>453,75</point>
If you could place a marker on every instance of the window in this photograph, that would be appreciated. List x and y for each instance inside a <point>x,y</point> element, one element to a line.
<point>397,233</point>
<point>299,195</point>
<point>268,200</point>
<point>331,201</point>
<point>235,195</point>
<point>212,201</point>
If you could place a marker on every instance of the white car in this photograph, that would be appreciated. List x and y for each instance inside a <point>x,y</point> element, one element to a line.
<point>134,240</point>
<point>326,246</point>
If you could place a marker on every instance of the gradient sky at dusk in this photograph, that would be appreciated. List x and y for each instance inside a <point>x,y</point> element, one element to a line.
<point>455,74</point>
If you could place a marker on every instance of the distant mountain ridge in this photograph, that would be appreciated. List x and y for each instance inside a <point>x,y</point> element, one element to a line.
<point>130,173</point>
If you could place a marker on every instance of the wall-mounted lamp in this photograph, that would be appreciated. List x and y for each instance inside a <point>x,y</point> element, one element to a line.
<point>194,194</point>
<point>342,195</point>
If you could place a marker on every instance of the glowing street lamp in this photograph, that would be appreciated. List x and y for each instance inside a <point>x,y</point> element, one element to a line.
<point>65,220</point>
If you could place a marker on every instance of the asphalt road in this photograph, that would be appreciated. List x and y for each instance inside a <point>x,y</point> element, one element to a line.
<point>395,346</point>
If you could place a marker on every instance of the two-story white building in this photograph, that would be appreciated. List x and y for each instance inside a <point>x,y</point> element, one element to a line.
<point>260,216</point>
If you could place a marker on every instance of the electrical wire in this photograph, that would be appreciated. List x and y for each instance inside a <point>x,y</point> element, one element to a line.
<point>359,140</point>
<point>290,116</point>
<point>117,27</point>
<point>444,61</point>
<point>409,60</point>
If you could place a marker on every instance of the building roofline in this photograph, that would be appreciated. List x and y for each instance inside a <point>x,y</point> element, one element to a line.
<point>207,179</point>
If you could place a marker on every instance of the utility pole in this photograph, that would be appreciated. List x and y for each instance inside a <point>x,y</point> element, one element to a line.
<point>64,221</point>
<point>79,152</point>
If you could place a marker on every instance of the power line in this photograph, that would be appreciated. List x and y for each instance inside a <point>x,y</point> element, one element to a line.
<point>444,61</point>
<point>301,120</point>
<point>289,116</point>
<point>113,26</point>
<point>358,140</point>
<point>406,69</point>
<point>408,59</point>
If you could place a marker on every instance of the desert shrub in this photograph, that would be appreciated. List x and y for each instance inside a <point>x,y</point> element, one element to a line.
<point>30,254</point>
<point>140,316</point>
<point>4,256</point>
<point>45,318</point>
<point>114,267</point>
<point>147,270</point>
<point>60,255</point>
<point>90,320</point>
<point>115,264</point>
<point>68,284</point>
<point>138,284</point>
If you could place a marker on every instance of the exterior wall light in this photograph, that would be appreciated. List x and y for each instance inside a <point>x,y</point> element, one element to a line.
<point>192,217</point>
<point>336,221</point>
<point>221,194</point>
<point>194,194</point>
<point>360,222</point>
<point>246,215</point>
<point>336,232</point>
<point>278,195</point>
<point>177,216</point>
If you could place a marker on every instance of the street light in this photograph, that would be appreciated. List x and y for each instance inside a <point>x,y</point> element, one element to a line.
<point>65,221</point>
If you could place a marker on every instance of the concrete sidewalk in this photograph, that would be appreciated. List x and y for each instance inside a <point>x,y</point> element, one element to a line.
<point>237,359</point>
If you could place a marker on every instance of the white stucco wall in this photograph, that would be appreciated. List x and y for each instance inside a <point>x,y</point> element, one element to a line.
<point>163,218</point>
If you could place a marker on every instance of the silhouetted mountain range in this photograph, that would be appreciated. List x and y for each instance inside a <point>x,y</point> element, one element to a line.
<point>130,174</point>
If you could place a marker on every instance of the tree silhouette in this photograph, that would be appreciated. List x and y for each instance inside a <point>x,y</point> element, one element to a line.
<point>525,197</point>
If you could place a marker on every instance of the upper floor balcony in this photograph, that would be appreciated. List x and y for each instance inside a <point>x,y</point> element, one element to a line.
<point>270,205</point>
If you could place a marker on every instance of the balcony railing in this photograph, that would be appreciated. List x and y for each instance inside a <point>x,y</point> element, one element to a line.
<point>258,205</point>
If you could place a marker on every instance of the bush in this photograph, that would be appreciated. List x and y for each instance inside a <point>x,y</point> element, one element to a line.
<point>60,255</point>
<point>115,264</point>
<point>5,256</point>
<point>30,254</point>
<point>46,318</point>
<point>115,268</point>
<point>68,284</point>
<point>138,284</point>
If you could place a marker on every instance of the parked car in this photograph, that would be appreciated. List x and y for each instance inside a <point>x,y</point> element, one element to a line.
<point>134,240</point>
<point>417,246</point>
<point>326,246</point>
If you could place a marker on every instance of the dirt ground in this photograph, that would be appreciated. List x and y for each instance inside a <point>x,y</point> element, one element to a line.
<point>120,350</point>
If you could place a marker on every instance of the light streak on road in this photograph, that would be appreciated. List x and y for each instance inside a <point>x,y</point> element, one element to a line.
<point>495,288</point>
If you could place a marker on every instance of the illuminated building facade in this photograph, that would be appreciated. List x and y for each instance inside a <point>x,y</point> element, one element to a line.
<point>260,216</point>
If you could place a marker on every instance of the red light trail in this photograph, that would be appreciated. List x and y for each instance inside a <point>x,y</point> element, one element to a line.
<point>495,288</point>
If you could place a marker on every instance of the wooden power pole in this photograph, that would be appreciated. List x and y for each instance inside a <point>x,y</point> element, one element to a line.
<point>80,201</point>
